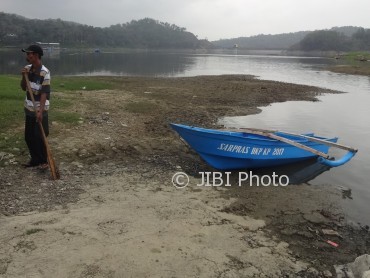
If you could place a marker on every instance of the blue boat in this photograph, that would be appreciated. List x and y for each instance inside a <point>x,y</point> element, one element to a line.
<point>257,148</point>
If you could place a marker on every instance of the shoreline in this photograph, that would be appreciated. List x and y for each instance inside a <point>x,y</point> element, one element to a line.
<point>115,212</point>
<point>352,69</point>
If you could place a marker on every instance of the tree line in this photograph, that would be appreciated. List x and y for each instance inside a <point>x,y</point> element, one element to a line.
<point>346,38</point>
<point>144,33</point>
<point>16,30</point>
<point>325,40</point>
<point>263,42</point>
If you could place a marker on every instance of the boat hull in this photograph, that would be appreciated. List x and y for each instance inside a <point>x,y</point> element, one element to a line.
<point>230,150</point>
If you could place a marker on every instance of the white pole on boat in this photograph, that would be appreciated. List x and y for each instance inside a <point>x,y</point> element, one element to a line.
<point>313,139</point>
<point>288,141</point>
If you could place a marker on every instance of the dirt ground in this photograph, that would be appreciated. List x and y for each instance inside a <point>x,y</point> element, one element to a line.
<point>116,213</point>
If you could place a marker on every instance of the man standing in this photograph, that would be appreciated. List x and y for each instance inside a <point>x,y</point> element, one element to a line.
<point>39,77</point>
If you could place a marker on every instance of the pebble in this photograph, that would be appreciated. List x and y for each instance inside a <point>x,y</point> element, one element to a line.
<point>77,164</point>
<point>313,271</point>
<point>82,152</point>
<point>327,274</point>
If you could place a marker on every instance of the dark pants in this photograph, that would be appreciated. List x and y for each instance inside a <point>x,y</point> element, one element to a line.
<point>33,137</point>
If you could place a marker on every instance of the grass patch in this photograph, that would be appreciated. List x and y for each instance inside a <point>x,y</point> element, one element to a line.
<point>354,63</point>
<point>356,56</point>
<point>81,83</point>
<point>11,102</point>
<point>12,98</point>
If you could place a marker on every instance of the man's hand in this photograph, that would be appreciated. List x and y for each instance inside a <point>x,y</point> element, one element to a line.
<point>24,71</point>
<point>23,81</point>
<point>39,116</point>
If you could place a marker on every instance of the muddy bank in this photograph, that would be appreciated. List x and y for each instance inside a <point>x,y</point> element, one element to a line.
<point>116,213</point>
<point>352,69</point>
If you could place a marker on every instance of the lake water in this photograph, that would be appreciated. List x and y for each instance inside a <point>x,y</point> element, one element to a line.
<point>343,115</point>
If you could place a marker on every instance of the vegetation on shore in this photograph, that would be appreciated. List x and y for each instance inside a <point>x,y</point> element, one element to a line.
<point>357,56</point>
<point>11,112</point>
<point>11,105</point>
<point>357,63</point>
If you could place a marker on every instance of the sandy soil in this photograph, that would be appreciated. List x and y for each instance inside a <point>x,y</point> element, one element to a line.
<point>116,213</point>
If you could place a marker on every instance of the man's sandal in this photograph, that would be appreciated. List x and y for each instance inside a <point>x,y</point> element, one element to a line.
<point>43,166</point>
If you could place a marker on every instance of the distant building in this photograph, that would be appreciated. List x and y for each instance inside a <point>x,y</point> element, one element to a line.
<point>49,46</point>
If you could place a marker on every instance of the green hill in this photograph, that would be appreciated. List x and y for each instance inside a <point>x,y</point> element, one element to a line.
<point>347,38</point>
<point>144,33</point>
<point>263,42</point>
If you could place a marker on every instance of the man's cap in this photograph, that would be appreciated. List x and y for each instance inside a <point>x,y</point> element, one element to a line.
<point>34,48</point>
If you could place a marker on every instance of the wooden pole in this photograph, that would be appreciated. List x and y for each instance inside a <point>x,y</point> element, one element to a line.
<point>288,141</point>
<point>313,139</point>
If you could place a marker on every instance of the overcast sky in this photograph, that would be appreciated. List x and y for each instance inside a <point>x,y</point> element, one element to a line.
<point>211,19</point>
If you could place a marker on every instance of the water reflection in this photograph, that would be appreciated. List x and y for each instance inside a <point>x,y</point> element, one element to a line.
<point>298,173</point>
<point>92,63</point>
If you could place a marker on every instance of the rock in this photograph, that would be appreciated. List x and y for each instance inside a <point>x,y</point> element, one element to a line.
<point>330,232</point>
<point>77,164</point>
<point>327,274</point>
<point>312,271</point>
<point>315,218</point>
<point>82,152</point>
<point>2,155</point>
<point>359,268</point>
